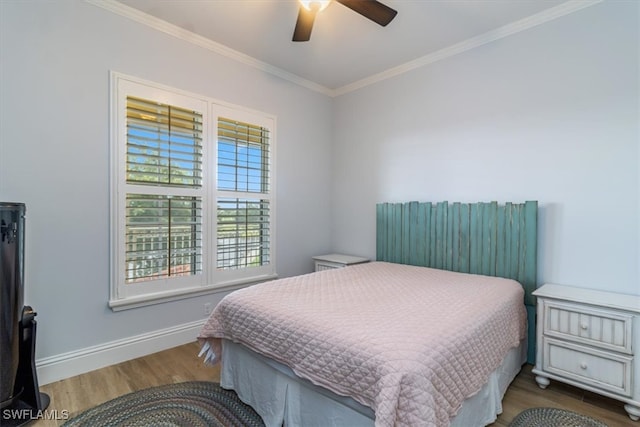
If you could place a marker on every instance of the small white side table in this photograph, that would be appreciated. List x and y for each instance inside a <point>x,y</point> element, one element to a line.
<point>330,261</point>
<point>590,339</point>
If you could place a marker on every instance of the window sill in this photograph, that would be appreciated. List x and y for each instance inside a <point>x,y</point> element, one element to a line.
<point>162,297</point>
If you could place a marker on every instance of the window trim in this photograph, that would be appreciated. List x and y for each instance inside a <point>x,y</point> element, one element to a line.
<point>211,280</point>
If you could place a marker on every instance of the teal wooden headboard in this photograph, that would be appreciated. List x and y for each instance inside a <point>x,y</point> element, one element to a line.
<point>477,238</point>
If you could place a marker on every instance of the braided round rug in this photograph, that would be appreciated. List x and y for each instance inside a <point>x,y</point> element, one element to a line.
<point>194,403</point>
<point>553,417</point>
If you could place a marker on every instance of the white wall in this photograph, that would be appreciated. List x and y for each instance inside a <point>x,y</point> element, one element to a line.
<point>548,114</point>
<point>54,151</point>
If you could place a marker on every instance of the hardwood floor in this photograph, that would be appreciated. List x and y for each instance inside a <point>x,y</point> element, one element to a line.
<point>180,364</point>
<point>84,391</point>
<point>524,393</point>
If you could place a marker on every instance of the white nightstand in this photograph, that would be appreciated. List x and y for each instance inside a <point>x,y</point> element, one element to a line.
<point>590,339</point>
<point>327,262</point>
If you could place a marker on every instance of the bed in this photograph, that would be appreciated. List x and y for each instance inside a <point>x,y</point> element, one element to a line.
<point>431,333</point>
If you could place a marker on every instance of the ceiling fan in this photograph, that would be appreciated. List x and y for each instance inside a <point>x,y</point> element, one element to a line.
<point>371,9</point>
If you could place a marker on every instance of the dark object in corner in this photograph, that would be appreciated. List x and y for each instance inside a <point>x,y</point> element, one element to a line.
<point>20,399</point>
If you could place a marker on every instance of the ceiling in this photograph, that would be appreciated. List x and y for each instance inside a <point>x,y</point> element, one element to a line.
<point>346,48</point>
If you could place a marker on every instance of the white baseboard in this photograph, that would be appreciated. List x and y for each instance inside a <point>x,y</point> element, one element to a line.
<point>66,365</point>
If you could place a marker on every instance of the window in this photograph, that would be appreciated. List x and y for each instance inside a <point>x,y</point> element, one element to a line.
<point>192,206</point>
<point>244,204</point>
<point>163,231</point>
<point>243,174</point>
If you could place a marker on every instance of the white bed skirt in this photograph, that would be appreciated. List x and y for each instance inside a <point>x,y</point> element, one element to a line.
<point>281,398</point>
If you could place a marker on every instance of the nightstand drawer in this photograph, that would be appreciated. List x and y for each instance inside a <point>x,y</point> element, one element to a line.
<point>331,261</point>
<point>606,371</point>
<point>577,323</point>
<point>325,265</point>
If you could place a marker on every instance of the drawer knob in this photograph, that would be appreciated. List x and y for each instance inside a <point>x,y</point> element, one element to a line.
<point>584,326</point>
<point>583,365</point>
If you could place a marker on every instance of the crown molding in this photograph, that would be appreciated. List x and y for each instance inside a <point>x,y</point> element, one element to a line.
<point>488,37</point>
<point>188,36</point>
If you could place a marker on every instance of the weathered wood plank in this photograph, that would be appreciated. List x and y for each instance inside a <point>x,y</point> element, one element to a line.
<point>465,238</point>
<point>432,236</point>
<point>485,242</point>
<point>493,238</point>
<point>397,233</point>
<point>531,251</point>
<point>475,239</point>
<point>413,231</point>
<point>448,257</point>
<point>455,236</point>
<point>501,225</point>
<point>440,232</point>
<point>381,231</point>
<point>406,233</point>
<point>514,234</point>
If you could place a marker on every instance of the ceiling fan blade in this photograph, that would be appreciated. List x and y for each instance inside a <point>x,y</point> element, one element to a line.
<point>374,10</point>
<point>304,24</point>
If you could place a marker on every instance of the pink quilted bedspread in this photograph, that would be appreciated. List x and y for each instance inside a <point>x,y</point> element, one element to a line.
<point>410,342</point>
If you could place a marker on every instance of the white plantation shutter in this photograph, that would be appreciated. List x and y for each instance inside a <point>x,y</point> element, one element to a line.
<point>243,157</point>
<point>163,231</point>
<point>243,238</point>
<point>163,236</point>
<point>164,144</point>
<point>192,194</point>
<point>243,203</point>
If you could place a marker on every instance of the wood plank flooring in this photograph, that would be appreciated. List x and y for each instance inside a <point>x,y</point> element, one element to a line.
<point>85,391</point>
<point>180,364</point>
<point>524,393</point>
